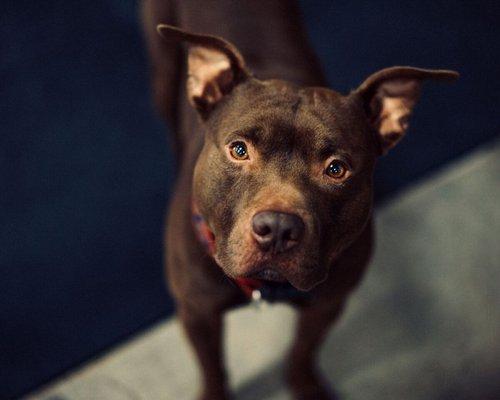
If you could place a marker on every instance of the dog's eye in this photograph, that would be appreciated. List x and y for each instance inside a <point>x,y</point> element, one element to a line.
<point>337,169</point>
<point>239,151</point>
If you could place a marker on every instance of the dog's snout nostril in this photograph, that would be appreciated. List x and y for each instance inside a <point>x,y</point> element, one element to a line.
<point>290,234</point>
<point>277,231</point>
<point>262,229</point>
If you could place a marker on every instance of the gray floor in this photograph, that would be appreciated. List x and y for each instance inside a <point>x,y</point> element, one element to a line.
<point>425,323</point>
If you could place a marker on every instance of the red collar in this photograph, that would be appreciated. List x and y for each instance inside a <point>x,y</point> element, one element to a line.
<point>203,232</point>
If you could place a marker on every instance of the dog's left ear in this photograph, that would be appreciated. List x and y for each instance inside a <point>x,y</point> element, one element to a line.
<point>389,96</point>
<point>215,67</point>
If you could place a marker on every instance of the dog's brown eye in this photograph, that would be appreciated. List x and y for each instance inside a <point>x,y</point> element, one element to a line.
<point>239,151</point>
<point>336,169</point>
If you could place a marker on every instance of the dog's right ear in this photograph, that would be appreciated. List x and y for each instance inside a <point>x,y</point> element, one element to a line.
<point>215,67</point>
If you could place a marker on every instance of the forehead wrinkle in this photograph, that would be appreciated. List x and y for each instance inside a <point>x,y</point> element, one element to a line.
<point>335,129</point>
<point>293,129</point>
<point>296,105</point>
<point>314,131</point>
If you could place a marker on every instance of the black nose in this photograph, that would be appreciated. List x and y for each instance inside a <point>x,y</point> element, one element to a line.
<point>277,231</point>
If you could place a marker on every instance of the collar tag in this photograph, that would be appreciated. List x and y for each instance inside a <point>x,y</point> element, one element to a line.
<point>257,300</point>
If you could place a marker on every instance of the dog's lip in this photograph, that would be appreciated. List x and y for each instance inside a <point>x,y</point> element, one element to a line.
<point>268,274</point>
<point>310,281</point>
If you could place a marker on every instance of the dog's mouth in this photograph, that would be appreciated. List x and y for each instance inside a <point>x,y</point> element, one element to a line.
<point>302,282</point>
<point>268,274</point>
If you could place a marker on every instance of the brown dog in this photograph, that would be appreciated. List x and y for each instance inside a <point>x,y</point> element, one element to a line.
<point>275,172</point>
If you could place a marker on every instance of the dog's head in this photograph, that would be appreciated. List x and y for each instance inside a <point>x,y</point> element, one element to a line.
<point>284,179</point>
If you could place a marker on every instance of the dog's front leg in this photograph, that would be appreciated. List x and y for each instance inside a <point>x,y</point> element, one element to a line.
<point>302,375</point>
<point>205,334</point>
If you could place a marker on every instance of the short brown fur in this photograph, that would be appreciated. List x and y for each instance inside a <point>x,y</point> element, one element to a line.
<point>276,102</point>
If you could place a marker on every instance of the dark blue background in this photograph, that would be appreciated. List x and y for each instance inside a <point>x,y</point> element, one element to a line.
<point>85,169</point>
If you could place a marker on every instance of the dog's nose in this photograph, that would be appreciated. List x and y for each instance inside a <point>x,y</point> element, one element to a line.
<point>276,231</point>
